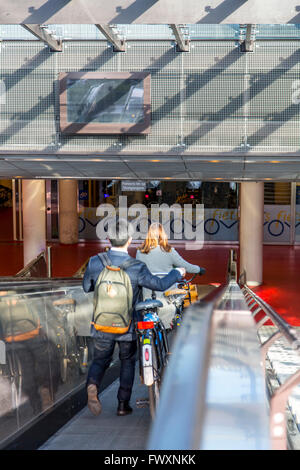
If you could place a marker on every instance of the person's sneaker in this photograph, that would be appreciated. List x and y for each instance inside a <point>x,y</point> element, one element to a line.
<point>94,403</point>
<point>124,408</point>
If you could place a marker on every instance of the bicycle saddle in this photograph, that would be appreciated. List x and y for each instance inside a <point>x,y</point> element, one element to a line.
<point>148,304</point>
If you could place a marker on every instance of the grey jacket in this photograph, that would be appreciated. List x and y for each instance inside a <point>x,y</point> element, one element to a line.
<point>159,261</point>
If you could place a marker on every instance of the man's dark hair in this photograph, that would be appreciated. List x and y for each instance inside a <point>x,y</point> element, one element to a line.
<point>119,231</point>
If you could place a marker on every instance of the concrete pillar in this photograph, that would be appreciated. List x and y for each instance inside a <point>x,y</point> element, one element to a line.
<point>34,218</point>
<point>68,215</point>
<point>251,232</point>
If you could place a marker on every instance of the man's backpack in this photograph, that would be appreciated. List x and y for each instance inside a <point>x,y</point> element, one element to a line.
<point>113,296</point>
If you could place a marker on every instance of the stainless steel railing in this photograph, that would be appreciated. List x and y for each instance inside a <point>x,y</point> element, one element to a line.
<point>40,266</point>
<point>278,400</point>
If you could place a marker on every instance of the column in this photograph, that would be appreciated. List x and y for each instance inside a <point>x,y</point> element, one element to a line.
<point>68,216</point>
<point>251,232</point>
<point>34,218</point>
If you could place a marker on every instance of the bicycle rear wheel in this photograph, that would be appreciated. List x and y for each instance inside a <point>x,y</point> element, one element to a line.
<point>153,389</point>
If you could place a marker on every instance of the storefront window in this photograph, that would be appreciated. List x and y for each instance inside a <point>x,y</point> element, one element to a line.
<point>277,212</point>
<point>220,202</point>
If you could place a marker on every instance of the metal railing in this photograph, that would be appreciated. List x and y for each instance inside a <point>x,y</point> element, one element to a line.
<point>80,272</point>
<point>278,400</point>
<point>40,266</point>
<point>215,364</point>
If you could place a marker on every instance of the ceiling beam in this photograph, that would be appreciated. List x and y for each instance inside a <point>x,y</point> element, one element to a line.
<point>112,37</point>
<point>183,44</point>
<point>42,33</point>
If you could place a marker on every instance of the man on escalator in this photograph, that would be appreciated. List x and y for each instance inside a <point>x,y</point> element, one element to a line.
<point>98,278</point>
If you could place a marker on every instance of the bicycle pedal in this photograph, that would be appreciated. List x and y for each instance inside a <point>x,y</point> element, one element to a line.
<point>142,402</point>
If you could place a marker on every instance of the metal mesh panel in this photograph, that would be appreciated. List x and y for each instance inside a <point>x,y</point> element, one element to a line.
<point>213,98</point>
<point>27,118</point>
<point>87,56</point>
<point>213,101</point>
<point>273,117</point>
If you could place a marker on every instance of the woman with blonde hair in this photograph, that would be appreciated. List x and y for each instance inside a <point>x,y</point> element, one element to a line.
<point>161,257</point>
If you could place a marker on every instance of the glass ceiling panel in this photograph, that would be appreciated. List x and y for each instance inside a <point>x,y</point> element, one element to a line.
<point>214,31</point>
<point>277,31</point>
<point>156,31</point>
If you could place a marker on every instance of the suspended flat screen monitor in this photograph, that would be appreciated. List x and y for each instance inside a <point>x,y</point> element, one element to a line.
<point>104,103</point>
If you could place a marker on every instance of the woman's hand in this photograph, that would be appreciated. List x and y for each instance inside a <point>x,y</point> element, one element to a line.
<point>182,271</point>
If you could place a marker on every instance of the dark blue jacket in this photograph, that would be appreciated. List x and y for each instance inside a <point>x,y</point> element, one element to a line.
<point>139,275</point>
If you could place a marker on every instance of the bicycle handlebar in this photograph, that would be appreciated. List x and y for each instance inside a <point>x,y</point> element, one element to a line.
<point>186,281</point>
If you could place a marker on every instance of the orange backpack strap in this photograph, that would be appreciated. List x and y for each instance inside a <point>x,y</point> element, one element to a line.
<point>111,268</point>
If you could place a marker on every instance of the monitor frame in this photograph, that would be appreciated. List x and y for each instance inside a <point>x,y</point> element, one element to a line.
<point>67,127</point>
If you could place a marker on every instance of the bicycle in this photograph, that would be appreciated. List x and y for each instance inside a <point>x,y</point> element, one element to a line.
<point>153,348</point>
<point>180,297</point>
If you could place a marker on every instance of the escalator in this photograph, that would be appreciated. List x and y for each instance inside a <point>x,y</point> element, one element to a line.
<point>45,351</point>
<point>213,392</point>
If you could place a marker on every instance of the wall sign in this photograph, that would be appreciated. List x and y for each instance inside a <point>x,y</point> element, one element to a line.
<point>104,102</point>
<point>134,185</point>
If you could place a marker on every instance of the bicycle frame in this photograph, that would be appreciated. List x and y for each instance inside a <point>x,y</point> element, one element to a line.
<point>153,351</point>
<point>152,335</point>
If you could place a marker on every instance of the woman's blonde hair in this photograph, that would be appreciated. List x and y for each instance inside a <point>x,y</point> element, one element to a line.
<point>156,236</point>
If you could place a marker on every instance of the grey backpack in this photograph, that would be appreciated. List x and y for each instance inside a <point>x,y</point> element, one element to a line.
<point>113,297</point>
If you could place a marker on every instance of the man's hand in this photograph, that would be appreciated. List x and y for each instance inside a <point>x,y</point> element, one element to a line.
<point>182,271</point>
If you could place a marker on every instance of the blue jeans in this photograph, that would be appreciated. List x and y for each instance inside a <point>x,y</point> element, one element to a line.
<point>103,352</point>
